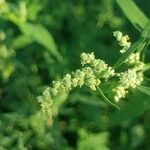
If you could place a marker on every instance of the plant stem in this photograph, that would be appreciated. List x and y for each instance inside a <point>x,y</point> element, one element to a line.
<point>105,98</point>
<point>146,67</point>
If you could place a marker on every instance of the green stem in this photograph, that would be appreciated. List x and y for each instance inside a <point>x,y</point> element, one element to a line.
<point>106,99</point>
<point>147,67</point>
<point>142,45</point>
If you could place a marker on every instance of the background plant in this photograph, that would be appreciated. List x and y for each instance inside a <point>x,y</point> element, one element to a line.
<point>69,28</point>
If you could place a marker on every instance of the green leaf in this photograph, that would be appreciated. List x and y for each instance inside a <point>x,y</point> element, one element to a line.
<point>146,67</point>
<point>21,41</point>
<point>144,89</point>
<point>133,13</point>
<point>105,98</point>
<point>146,31</point>
<point>89,141</point>
<point>133,108</point>
<point>139,45</point>
<point>39,34</point>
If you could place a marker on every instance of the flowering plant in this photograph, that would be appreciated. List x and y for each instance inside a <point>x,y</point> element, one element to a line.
<point>95,72</point>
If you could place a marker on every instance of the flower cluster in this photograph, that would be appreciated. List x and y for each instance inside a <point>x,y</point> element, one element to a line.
<point>91,73</point>
<point>98,65</point>
<point>120,92</point>
<point>132,77</point>
<point>87,76</point>
<point>46,102</point>
<point>123,41</point>
<point>128,79</point>
<point>133,59</point>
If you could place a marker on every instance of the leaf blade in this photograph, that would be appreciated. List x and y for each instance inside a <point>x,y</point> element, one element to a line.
<point>144,89</point>
<point>133,108</point>
<point>137,45</point>
<point>133,13</point>
<point>105,98</point>
<point>40,35</point>
<point>21,41</point>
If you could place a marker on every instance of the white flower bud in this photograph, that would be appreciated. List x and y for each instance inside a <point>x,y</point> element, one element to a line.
<point>46,102</point>
<point>87,58</point>
<point>139,66</point>
<point>123,41</point>
<point>120,93</point>
<point>118,35</point>
<point>133,58</point>
<point>109,72</point>
<point>130,79</point>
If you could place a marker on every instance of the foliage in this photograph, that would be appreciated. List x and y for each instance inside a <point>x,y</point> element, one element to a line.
<point>41,41</point>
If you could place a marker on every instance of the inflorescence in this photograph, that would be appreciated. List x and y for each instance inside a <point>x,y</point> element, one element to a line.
<point>132,77</point>
<point>91,73</point>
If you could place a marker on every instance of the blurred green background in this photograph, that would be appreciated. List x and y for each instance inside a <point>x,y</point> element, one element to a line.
<point>40,41</point>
